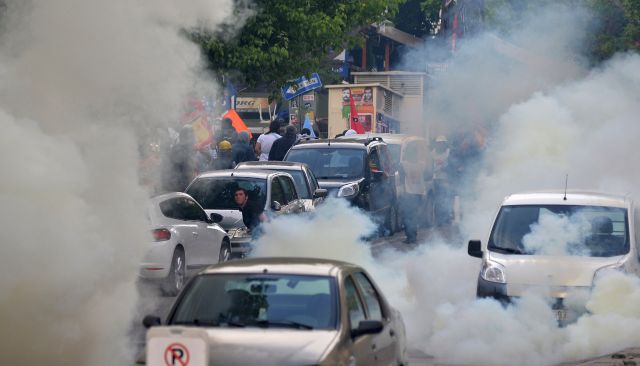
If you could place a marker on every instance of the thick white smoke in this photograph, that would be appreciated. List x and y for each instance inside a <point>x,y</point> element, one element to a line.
<point>545,115</point>
<point>77,77</point>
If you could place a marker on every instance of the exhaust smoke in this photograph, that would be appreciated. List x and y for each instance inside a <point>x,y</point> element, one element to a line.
<point>78,79</point>
<point>543,114</point>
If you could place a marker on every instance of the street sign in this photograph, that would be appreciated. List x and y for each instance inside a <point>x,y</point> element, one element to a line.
<point>186,349</point>
<point>301,85</point>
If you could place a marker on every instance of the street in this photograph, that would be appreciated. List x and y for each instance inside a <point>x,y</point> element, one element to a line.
<point>154,304</point>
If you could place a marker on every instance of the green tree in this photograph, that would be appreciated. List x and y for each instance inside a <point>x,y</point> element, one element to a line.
<point>284,39</point>
<point>618,27</point>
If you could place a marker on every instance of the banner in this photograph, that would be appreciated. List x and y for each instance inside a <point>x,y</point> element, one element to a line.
<point>301,85</point>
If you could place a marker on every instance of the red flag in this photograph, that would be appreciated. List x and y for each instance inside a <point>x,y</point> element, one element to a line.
<point>355,122</point>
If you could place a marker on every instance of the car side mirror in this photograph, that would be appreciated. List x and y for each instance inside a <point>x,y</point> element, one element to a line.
<point>151,321</point>
<point>367,327</point>
<point>215,217</point>
<point>276,206</point>
<point>475,248</point>
<point>320,193</point>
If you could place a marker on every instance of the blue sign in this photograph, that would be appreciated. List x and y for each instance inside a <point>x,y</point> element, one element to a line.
<point>301,85</point>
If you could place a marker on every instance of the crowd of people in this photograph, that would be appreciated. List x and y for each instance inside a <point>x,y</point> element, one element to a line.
<point>182,160</point>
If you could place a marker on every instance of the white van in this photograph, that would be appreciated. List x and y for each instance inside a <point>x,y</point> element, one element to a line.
<point>558,243</point>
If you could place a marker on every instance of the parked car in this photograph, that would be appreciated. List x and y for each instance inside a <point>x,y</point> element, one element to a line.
<point>304,179</point>
<point>281,311</point>
<point>402,149</point>
<point>185,240</point>
<point>359,171</point>
<point>273,191</point>
<point>560,242</point>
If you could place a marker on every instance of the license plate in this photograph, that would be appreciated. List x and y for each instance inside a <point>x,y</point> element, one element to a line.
<point>561,314</point>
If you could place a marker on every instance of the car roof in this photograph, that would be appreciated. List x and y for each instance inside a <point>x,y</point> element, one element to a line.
<point>390,138</point>
<point>573,197</point>
<point>271,165</point>
<point>283,265</point>
<point>163,197</point>
<point>333,143</point>
<point>243,173</point>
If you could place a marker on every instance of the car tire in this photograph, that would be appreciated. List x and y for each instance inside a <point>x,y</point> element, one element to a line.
<point>225,251</point>
<point>177,274</point>
<point>392,220</point>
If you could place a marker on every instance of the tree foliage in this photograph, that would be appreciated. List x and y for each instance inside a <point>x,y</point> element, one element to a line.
<point>284,39</point>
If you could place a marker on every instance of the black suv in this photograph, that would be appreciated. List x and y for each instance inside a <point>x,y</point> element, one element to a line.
<point>357,170</point>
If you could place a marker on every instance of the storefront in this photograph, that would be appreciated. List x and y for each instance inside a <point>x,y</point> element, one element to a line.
<point>377,107</point>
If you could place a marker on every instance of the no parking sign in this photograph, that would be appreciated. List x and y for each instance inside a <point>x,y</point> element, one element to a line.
<point>177,347</point>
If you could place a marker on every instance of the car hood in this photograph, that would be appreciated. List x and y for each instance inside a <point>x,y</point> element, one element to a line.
<point>333,185</point>
<point>523,272</point>
<point>336,183</point>
<point>258,346</point>
<point>230,218</point>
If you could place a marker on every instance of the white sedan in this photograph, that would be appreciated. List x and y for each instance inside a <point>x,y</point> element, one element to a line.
<point>185,240</point>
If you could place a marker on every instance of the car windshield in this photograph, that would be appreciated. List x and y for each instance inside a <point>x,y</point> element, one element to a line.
<point>259,300</point>
<point>216,193</point>
<point>331,163</point>
<point>298,179</point>
<point>561,230</point>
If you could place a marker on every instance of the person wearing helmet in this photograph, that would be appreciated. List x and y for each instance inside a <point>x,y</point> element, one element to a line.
<point>224,159</point>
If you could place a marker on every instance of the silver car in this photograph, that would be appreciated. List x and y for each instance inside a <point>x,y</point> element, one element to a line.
<point>306,183</point>
<point>185,241</point>
<point>279,311</point>
<point>557,243</point>
<point>273,191</point>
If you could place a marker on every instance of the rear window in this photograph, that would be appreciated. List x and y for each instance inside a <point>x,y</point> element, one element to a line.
<point>331,163</point>
<point>217,193</point>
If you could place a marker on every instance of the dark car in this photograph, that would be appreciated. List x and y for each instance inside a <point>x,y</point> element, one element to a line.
<point>357,170</point>
<point>306,183</point>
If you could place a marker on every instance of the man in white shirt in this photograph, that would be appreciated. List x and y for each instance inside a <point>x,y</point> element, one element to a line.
<point>265,141</point>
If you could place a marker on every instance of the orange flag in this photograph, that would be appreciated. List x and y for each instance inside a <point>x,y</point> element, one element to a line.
<point>236,121</point>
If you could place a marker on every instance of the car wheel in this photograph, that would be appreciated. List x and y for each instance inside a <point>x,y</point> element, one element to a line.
<point>177,274</point>
<point>225,251</point>
<point>392,220</point>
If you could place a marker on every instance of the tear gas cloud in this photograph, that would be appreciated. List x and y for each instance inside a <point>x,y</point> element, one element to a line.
<point>543,114</point>
<point>77,78</point>
<point>555,234</point>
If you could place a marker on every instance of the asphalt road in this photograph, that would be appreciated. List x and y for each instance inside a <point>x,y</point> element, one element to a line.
<point>152,303</point>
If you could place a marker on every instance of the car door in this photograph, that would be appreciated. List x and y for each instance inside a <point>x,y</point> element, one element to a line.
<point>277,196</point>
<point>384,343</point>
<point>378,201</point>
<point>362,346</point>
<point>294,204</point>
<point>207,241</point>
<point>182,224</point>
<point>313,185</point>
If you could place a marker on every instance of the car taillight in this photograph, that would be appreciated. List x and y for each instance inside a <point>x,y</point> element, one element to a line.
<point>161,234</point>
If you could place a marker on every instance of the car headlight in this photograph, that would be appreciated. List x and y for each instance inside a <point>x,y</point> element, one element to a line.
<point>349,190</point>
<point>607,269</point>
<point>240,232</point>
<point>493,272</point>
